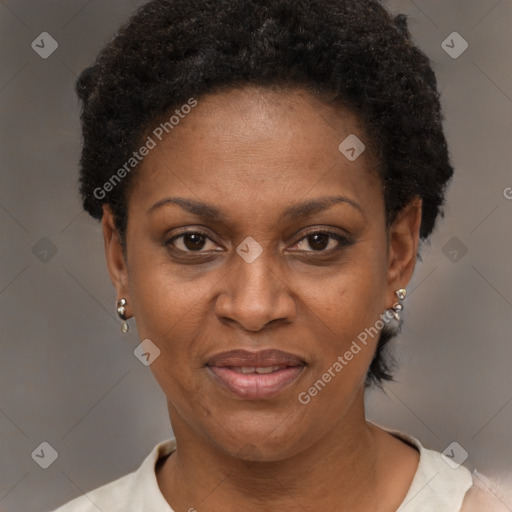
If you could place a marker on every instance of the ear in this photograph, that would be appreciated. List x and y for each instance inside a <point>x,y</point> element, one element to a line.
<point>115,256</point>
<point>403,240</point>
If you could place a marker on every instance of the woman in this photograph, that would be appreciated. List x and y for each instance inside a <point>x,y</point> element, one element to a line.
<point>264,171</point>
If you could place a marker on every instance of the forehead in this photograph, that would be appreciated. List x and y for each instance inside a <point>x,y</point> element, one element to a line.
<point>256,147</point>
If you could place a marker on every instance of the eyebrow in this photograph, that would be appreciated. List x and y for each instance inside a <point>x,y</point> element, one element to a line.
<point>302,210</point>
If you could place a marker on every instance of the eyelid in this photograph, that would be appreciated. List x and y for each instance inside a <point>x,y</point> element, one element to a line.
<point>326,231</point>
<point>191,231</point>
<point>342,239</point>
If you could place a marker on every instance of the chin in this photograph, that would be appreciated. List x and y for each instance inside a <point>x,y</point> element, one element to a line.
<point>257,439</point>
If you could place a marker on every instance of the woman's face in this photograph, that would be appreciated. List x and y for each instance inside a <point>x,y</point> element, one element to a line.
<point>292,256</point>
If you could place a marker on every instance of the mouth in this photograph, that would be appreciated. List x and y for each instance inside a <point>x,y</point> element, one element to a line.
<point>255,375</point>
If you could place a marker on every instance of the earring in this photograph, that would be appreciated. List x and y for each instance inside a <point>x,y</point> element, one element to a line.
<point>121,311</point>
<point>398,306</point>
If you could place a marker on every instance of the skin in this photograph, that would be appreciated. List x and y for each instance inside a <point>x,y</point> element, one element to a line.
<point>251,153</point>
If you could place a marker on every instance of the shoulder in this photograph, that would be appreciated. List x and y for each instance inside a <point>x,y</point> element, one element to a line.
<point>135,491</point>
<point>112,496</point>
<point>484,495</point>
<point>442,485</point>
<point>438,485</point>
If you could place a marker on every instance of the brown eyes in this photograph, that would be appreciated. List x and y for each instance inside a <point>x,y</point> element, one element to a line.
<point>317,241</point>
<point>193,241</point>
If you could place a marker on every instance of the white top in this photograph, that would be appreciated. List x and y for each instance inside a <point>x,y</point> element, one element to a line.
<point>437,487</point>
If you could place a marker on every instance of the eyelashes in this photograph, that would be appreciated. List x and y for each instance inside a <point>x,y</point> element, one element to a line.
<point>196,237</point>
<point>319,240</point>
<point>320,236</point>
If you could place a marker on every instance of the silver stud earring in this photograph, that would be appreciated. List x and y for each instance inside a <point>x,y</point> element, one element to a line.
<point>121,311</point>
<point>398,306</point>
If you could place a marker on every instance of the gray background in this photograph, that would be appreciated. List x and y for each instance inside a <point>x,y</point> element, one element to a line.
<point>69,377</point>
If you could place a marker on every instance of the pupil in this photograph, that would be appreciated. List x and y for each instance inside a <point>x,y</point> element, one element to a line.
<point>320,241</point>
<point>197,241</point>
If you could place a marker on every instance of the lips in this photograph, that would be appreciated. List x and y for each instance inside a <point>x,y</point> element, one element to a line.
<point>262,358</point>
<point>255,375</point>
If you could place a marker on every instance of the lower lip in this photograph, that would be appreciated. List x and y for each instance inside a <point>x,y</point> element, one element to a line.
<point>256,386</point>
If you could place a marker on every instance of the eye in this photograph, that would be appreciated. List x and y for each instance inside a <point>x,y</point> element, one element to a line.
<point>190,241</point>
<point>321,241</point>
<point>317,241</point>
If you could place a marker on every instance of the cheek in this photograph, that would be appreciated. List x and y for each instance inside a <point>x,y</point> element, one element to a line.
<point>161,298</point>
<point>168,313</point>
<point>348,308</point>
<point>353,296</point>
<point>171,311</point>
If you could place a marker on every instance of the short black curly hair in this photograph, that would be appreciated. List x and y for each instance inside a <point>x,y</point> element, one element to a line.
<point>172,50</point>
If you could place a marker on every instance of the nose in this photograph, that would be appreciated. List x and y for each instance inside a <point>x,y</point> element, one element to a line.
<point>255,294</point>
